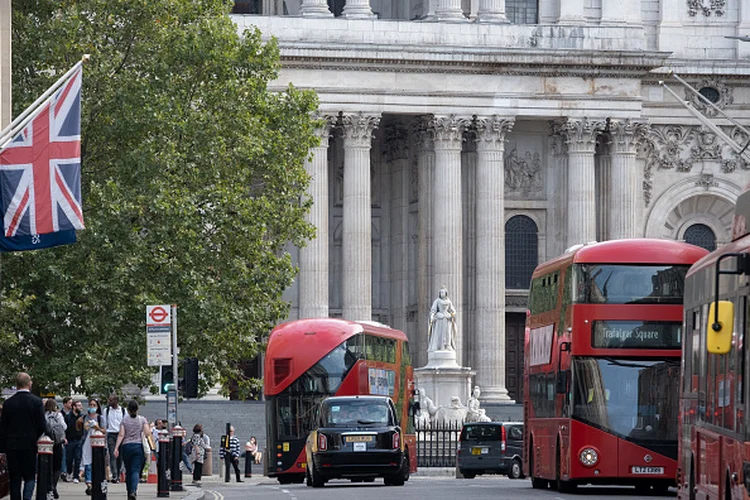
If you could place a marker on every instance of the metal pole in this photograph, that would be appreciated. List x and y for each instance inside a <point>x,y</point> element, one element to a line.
<point>175,362</point>
<point>176,477</point>
<point>227,455</point>
<point>162,483</point>
<point>98,479</point>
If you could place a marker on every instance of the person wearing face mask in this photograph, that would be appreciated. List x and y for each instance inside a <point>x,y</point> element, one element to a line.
<point>92,421</point>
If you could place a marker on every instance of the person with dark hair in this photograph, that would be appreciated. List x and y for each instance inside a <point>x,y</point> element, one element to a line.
<point>55,418</point>
<point>130,444</point>
<point>21,424</point>
<point>198,452</point>
<point>233,453</point>
<point>73,435</point>
<point>93,420</point>
<point>67,407</point>
<point>113,416</point>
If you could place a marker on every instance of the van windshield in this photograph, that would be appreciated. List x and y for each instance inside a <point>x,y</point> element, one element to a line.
<point>483,432</point>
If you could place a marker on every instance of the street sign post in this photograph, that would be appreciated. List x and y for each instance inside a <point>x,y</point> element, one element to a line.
<point>159,335</point>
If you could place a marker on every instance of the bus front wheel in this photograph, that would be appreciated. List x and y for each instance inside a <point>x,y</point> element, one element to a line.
<point>562,486</point>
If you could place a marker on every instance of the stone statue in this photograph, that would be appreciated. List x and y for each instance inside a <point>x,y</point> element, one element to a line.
<point>427,411</point>
<point>473,412</point>
<point>442,330</point>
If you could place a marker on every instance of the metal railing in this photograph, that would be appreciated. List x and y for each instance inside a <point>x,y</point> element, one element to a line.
<point>437,445</point>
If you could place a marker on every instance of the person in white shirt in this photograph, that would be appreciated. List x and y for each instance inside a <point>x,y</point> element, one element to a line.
<point>113,418</point>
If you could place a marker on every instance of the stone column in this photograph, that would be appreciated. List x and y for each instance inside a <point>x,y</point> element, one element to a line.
<point>357,219</point>
<point>490,235</point>
<point>447,231</point>
<point>450,10</point>
<point>492,11</point>
<point>603,161</point>
<point>425,169</point>
<point>313,258</point>
<point>623,214</point>
<point>358,9</point>
<point>397,156</point>
<point>580,136</point>
<point>670,35</point>
<point>613,11</point>
<point>743,48</point>
<point>571,12</point>
<point>5,64</point>
<point>315,8</point>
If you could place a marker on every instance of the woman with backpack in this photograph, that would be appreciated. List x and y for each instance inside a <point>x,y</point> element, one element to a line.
<point>56,428</point>
<point>198,444</point>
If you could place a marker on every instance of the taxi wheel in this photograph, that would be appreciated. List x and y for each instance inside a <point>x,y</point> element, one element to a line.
<point>315,479</point>
<point>405,466</point>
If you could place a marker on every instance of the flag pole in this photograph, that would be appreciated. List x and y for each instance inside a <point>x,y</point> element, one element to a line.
<point>21,120</point>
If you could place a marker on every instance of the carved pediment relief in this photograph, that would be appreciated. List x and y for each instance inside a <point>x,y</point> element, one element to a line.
<point>524,173</point>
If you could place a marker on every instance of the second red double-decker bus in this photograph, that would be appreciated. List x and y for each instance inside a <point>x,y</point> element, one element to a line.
<point>602,363</point>
<point>311,359</point>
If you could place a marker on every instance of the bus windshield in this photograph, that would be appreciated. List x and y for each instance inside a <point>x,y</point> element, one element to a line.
<point>629,284</point>
<point>632,398</point>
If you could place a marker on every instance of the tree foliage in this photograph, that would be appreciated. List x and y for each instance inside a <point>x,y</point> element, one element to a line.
<point>193,184</point>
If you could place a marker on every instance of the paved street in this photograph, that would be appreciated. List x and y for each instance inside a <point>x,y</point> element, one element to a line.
<point>418,487</point>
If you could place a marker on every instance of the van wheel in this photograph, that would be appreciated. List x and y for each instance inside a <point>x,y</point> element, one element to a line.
<point>515,471</point>
<point>536,483</point>
<point>469,475</point>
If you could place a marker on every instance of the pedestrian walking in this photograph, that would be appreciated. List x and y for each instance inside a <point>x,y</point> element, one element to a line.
<point>67,407</point>
<point>21,424</point>
<point>56,425</point>
<point>130,443</point>
<point>113,416</point>
<point>74,436</point>
<point>198,443</point>
<point>91,422</point>
<point>233,453</point>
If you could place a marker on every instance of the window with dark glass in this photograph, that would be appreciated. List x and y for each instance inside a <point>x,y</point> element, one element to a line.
<point>521,244</point>
<point>629,284</point>
<point>702,236</point>
<point>522,11</point>
<point>246,7</point>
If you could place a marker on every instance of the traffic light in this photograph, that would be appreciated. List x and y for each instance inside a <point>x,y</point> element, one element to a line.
<point>167,377</point>
<point>189,385</point>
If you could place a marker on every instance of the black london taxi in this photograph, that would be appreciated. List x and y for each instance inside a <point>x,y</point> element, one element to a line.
<point>490,448</point>
<point>357,438</point>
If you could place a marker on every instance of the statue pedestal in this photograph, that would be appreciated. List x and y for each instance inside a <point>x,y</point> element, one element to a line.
<point>442,378</point>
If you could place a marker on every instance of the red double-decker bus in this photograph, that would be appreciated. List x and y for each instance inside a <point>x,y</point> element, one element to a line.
<point>311,359</point>
<point>714,450</point>
<point>602,363</point>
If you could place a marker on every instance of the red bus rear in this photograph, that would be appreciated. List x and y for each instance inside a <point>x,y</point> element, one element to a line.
<point>602,359</point>
<point>311,359</point>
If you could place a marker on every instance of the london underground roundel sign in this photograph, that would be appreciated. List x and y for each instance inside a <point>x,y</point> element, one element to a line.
<point>158,315</point>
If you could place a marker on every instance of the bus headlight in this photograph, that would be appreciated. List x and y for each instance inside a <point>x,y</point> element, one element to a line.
<point>588,457</point>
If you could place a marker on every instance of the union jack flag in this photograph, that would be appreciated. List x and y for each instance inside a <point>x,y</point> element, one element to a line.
<point>40,169</point>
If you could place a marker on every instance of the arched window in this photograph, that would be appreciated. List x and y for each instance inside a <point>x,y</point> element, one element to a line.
<point>701,235</point>
<point>521,242</point>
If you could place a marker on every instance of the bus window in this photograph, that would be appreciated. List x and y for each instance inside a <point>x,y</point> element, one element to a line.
<point>629,284</point>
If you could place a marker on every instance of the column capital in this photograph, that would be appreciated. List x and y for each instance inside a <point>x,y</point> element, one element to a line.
<point>324,126</point>
<point>448,131</point>
<point>625,135</point>
<point>580,134</point>
<point>358,128</point>
<point>491,131</point>
<point>396,145</point>
<point>421,130</point>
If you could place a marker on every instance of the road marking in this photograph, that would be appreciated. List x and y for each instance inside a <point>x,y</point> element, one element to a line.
<point>216,494</point>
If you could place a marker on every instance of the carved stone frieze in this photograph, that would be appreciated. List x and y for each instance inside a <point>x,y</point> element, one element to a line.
<point>707,146</point>
<point>625,135</point>
<point>668,147</point>
<point>490,131</point>
<point>523,174</point>
<point>557,138</point>
<point>706,7</point>
<point>358,128</point>
<point>723,96</point>
<point>731,161</point>
<point>706,180</point>
<point>448,131</point>
<point>580,135</point>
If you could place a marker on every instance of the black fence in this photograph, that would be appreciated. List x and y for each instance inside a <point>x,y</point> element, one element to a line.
<point>437,445</point>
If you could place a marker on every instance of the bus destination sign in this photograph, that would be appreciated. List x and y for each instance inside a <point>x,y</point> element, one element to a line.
<point>636,335</point>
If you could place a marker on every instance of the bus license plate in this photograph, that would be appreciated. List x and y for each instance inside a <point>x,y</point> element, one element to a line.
<point>358,439</point>
<point>638,469</point>
<point>480,450</point>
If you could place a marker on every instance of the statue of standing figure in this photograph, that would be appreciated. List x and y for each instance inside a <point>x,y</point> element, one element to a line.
<point>442,330</point>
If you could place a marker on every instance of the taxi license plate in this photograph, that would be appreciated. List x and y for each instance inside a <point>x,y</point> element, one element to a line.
<point>358,439</point>
<point>480,450</point>
<point>638,469</point>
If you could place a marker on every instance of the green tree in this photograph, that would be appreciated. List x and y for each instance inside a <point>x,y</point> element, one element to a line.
<point>193,185</point>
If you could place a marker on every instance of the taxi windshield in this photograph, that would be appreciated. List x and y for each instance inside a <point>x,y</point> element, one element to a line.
<point>348,413</point>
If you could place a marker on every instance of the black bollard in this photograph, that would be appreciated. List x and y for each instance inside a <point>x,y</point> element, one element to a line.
<point>227,455</point>
<point>248,460</point>
<point>44,468</point>
<point>98,457</point>
<point>162,488</point>
<point>176,477</point>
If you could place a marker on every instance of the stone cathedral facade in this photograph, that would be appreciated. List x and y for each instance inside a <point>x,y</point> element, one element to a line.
<point>466,142</point>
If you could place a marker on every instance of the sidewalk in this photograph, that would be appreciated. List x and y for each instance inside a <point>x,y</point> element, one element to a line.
<point>70,491</point>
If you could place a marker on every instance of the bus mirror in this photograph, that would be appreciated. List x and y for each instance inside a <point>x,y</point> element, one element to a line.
<point>562,382</point>
<point>719,331</point>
